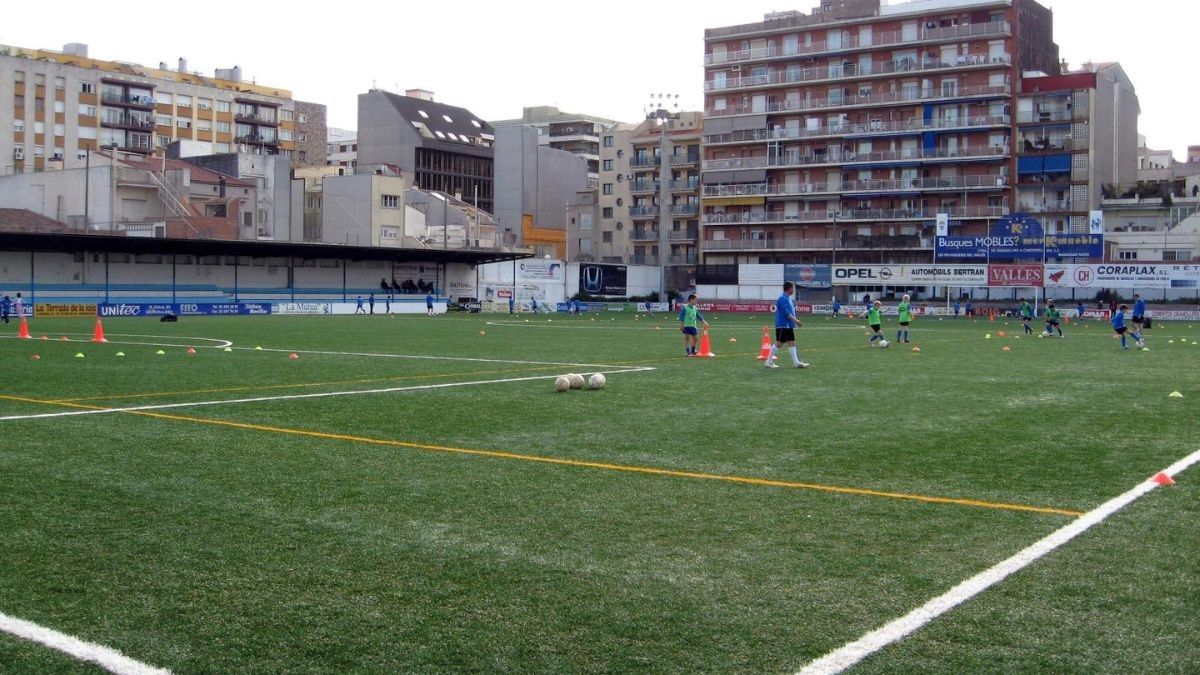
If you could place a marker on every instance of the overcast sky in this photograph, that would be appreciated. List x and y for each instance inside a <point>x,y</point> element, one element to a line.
<point>599,58</point>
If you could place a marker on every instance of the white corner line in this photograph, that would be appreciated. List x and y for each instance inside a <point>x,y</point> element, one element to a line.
<point>851,653</point>
<point>297,397</point>
<point>109,659</point>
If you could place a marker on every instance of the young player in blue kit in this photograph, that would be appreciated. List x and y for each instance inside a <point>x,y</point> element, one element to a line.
<point>1118,324</point>
<point>785,328</point>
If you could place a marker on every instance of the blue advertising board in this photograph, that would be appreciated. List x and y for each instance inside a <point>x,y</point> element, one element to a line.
<point>1018,237</point>
<point>184,309</point>
<point>809,276</point>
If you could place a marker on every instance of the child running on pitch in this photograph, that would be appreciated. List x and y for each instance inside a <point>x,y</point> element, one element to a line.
<point>690,319</point>
<point>1053,318</point>
<point>1026,313</point>
<point>1118,324</point>
<point>875,321</point>
<point>905,311</point>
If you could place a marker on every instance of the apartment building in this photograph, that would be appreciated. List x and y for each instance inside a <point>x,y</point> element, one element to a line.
<point>570,132</point>
<point>435,146</point>
<point>841,134</point>
<point>341,149</point>
<point>61,104</point>
<point>638,197</point>
<point>1076,135</point>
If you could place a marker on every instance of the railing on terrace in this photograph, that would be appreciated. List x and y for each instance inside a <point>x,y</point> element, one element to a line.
<point>848,42</point>
<point>881,98</point>
<point>855,214</point>
<point>853,70</point>
<point>870,128</point>
<point>797,159</point>
<point>874,185</point>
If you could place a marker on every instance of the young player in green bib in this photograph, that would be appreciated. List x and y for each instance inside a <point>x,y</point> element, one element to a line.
<point>1053,319</point>
<point>905,311</point>
<point>1026,316</point>
<point>875,321</point>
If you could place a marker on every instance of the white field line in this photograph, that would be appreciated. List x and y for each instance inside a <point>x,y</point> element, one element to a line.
<point>87,339</point>
<point>108,659</point>
<point>297,397</point>
<point>416,357</point>
<point>853,652</point>
<point>671,326</point>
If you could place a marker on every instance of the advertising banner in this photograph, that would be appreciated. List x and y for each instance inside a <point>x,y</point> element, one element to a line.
<point>910,275</point>
<point>184,309</point>
<point>739,307</point>
<point>597,279</point>
<point>1116,275</point>
<point>1019,236</point>
<point>45,309</point>
<point>1015,275</point>
<point>304,308</point>
<point>540,270</point>
<point>809,276</point>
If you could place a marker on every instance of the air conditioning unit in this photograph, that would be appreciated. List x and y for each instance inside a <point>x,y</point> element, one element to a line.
<point>18,153</point>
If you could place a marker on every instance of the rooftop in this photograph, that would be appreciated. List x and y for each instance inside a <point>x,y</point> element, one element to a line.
<point>443,122</point>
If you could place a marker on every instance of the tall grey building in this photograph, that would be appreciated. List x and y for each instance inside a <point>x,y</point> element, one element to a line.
<point>534,185</point>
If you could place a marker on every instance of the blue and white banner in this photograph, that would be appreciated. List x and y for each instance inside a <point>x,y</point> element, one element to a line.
<point>184,309</point>
<point>1019,237</point>
<point>809,276</point>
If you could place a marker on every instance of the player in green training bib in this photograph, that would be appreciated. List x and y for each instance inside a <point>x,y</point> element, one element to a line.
<point>1053,319</point>
<point>905,311</point>
<point>1026,313</point>
<point>875,321</point>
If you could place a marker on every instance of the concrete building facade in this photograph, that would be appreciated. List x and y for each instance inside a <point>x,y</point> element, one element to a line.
<point>433,145</point>
<point>310,134</point>
<point>60,104</point>
<point>341,149</point>
<point>574,133</point>
<point>534,186</point>
<point>841,134</point>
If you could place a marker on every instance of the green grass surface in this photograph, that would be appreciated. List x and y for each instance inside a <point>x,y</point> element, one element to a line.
<point>213,539</point>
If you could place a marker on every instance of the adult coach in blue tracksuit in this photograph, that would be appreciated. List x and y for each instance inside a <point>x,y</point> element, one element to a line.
<point>785,328</point>
<point>1139,313</point>
<point>429,304</point>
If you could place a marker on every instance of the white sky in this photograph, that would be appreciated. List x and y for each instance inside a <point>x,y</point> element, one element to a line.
<point>598,58</point>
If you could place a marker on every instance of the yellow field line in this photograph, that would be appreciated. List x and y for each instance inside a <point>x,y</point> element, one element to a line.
<point>559,461</point>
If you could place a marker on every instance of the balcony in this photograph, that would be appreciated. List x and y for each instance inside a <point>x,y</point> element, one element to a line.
<point>854,215</point>
<point>873,128</point>
<point>127,122</point>
<point>256,139</point>
<point>689,185</point>
<point>847,43</point>
<point>684,160</point>
<point>127,100</point>
<point>683,235</point>
<point>984,91</point>
<point>956,183</point>
<point>685,209</point>
<point>1039,146</point>
<point>642,234</point>
<point>849,243</point>
<point>1063,115</point>
<point>1045,205</point>
<point>248,118</point>
<point>682,259</point>
<point>644,187</point>
<point>854,71</point>
<point>638,259</point>
<point>847,158</point>
<point>642,212</point>
<point>643,162</point>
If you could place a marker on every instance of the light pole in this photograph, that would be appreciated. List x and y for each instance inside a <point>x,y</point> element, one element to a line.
<point>658,111</point>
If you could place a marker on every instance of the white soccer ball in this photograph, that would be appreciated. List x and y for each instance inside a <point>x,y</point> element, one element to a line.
<point>562,383</point>
<point>884,344</point>
<point>576,380</point>
<point>597,381</point>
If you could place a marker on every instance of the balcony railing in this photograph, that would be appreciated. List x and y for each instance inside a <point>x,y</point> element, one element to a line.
<point>851,215</point>
<point>854,242</point>
<point>848,42</point>
<point>1037,146</point>
<point>685,185</point>
<point>127,100</point>
<point>682,259</point>
<point>639,162</point>
<point>853,70</point>
<point>683,160</point>
<point>1045,206</point>
<point>643,211</point>
<point>984,182</point>
<point>863,100</point>
<point>1052,116</point>
<point>683,235</point>
<point>126,122</point>
<point>644,187</point>
<point>257,139</point>
<point>640,234</point>
<point>643,260</point>
<point>873,128</point>
<point>685,209</point>
<point>254,119</point>
<point>841,158</point>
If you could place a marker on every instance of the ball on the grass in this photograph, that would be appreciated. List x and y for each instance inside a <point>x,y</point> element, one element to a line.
<point>597,381</point>
<point>562,383</point>
<point>884,344</point>
<point>576,380</point>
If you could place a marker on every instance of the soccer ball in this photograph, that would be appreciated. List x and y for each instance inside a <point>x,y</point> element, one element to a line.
<point>562,383</point>
<point>884,344</point>
<point>596,381</point>
<point>576,380</point>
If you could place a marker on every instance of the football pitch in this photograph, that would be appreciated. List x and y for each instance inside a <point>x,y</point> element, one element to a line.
<point>411,495</point>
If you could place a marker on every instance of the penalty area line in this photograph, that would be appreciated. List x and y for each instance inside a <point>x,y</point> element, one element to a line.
<point>853,652</point>
<point>109,659</point>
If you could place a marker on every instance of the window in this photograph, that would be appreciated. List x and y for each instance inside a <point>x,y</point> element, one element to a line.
<point>87,87</point>
<point>204,125</point>
<point>608,188</point>
<point>39,127</point>
<point>39,80</point>
<point>163,141</point>
<point>285,115</point>
<point>165,98</point>
<point>222,147</point>
<point>183,123</point>
<point>18,76</point>
<point>183,101</point>
<point>1127,255</point>
<point>223,127</point>
<point>608,165</point>
<point>302,137</point>
<point>391,201</point>
<point>223,106</point>
<point>87,110</point>
<point>18,126</point>
<point>303,119</point>
<point>608,141</point>
<point>606,236</point>
<point>60,107</point>
<point>285,135</point>
<point>87,133</point>
<point>60,83</point>
<point>448,120</point>
<point>60,130</point>
<point>423,114</point>
<point>204,103</point>
<point>607,212</point>
<point>162,120</point>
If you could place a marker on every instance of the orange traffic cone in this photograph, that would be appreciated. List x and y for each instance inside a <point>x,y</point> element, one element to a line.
<point>23,331</point>
<point>992,315</point>
<point>1162,478</point>
<point>705,346</point>
<point>98,334</point>
<point>766,345</point>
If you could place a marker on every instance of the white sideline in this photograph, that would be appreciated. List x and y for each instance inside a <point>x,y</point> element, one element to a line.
<point>853,652</point>
<point>296,397</point>
<point>109,659</point>
<point>421,357</point>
